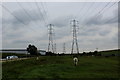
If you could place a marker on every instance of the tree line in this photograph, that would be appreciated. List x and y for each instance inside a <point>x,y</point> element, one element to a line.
<point>34,51</point>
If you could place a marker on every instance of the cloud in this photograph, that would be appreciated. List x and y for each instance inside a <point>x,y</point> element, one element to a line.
<point>20,19</point>
<point>105,36</point>
<point>93,33</point>
<point>16,32</point>
<point>21,41</point>
<point>31,16</point>
<point>101,20</point>
<point>62,21</point>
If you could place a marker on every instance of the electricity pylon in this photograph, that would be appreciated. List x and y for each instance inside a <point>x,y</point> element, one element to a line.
<point>55,50</point>
<point>74,24</point>
<point>64,50</point>
<point>50,44</point>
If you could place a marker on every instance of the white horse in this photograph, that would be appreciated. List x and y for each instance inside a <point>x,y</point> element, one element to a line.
<point>75,59</point>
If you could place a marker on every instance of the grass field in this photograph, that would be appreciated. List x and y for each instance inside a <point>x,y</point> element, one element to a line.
<point>62,67</point>
<point>110,52</point>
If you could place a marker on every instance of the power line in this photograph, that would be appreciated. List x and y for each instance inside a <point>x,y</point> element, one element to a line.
<point>14,15</point>
<point>37,13</point>
<point>103,9</point>
<point>88,9</point>
<point>110,6</point>
<point>47,13</point>
<point>80,11</point>
<point>44,11</point>
<point>92,5</point>
<point>40,12</point>
<point>26,12</point>
<point>105,6</point>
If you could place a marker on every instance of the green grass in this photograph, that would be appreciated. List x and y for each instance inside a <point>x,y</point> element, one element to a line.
<point>110,52</point>
<point>62,67</point>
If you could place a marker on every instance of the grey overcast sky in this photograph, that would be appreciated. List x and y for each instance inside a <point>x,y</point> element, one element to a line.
<point>26,23</point>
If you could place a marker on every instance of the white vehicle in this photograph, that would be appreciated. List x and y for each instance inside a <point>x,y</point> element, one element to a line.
<point>2,59</point>
<point>11,57</point>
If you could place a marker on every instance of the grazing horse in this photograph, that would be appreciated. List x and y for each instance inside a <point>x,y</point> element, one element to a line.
<point>75,59</point>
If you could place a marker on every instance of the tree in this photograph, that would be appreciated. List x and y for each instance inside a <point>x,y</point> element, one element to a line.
<point>84,53</point>
<point>32,49</point>
<point>90,53</point>
<point>95,53</point>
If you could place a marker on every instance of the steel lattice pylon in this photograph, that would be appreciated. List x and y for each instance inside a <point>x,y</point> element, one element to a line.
<point>74,26</point>
<point>64,50</point>
<point>55,50</point>
<point>50,44</point>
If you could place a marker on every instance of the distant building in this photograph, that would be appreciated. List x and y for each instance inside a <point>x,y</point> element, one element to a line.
<point>42,52</point>
<point>21,51</point>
